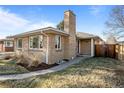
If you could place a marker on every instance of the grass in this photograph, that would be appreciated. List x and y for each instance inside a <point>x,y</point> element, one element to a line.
<point>9,67</point>
<point>92,72</point>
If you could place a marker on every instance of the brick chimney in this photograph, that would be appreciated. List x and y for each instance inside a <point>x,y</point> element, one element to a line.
<point>70,27</point>
<point>69,22</point>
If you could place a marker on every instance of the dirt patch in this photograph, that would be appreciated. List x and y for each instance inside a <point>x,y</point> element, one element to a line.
<point>7,57</point>
<point>41,66</point>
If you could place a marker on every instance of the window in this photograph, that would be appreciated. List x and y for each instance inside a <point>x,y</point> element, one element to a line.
<point>19,43</point>
<point>8,43</point>
<point>58,42</point>
<point>36,42</point>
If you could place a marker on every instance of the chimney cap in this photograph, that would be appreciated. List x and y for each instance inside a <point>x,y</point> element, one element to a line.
<point>70,12</point>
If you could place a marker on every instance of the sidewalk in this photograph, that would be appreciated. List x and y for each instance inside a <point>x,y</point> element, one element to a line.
<point>42,72</point>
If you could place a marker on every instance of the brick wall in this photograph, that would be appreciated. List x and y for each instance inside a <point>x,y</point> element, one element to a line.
<point>40,54</point>
<point>1,46</point>
<point>56,55</point>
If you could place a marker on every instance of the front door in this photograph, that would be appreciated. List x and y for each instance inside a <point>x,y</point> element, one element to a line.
<point>85,47</point>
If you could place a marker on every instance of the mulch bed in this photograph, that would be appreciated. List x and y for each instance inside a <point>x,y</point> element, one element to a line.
<point>41,66</point>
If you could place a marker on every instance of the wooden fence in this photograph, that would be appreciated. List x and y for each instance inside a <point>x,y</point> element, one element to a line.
<point>105,50</point>
<point>120,51</point>
<point>109,50</point>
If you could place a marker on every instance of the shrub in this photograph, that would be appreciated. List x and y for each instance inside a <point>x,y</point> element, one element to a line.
<point>22,60</point>
<point>27,61</point>
<point>34,62</point>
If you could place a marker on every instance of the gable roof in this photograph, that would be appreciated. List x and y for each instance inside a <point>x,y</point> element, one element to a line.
<point>38,31</point>
<point>82,35</point>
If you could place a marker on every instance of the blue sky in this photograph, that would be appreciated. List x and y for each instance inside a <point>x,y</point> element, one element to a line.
<point>17,19</point>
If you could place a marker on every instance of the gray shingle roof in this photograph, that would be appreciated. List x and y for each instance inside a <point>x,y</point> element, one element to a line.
<point>83,35</point>
<point>39,31</point>
<point>7,39</point>
<point>111,40</point>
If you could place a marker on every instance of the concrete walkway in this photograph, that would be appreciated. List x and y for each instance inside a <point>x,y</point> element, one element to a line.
<point>42,72</point>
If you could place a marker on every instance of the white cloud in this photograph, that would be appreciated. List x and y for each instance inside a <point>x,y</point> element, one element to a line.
<point>11,23</point>
<point>95,10</point>
<point>41,24</point>
<point>2,36</point>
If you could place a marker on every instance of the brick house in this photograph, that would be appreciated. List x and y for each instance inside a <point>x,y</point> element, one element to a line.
<point>51,45</point>
<point>6,45</point>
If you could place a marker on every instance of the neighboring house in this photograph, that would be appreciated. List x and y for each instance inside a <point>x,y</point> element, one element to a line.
<point>99,41</point>
<point>111,40</point>
<point>6,45</point>
<point>51,45</point>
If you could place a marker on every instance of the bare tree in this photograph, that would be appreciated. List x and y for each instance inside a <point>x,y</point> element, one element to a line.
<point>115,24</point>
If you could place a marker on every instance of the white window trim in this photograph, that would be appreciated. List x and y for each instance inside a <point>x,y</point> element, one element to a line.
<point>11,43</point>
<point>38,41</point>
<point>60,42</point>
<point>17,43</point>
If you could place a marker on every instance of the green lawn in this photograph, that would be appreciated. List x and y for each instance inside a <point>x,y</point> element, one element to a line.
<point>9,67</point>
<point>92,72</point>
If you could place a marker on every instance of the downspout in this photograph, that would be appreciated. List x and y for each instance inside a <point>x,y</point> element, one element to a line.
<point>92,47</point>
<point>47,49</point>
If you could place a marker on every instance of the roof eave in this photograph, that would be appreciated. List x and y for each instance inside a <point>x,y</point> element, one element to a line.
<point>87,37</point>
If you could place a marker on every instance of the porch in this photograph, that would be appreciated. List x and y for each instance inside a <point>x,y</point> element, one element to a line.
<point>85,47</point>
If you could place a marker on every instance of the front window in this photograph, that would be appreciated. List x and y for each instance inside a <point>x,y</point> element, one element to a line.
<point>58,42</point>
<point>19,43</point>
<point>8,43</point>
<point>36,42</point>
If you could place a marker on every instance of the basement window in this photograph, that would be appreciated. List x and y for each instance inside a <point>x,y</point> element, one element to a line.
<point>36,42</point>
<point>19,43</point>
<point>58,42</point>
